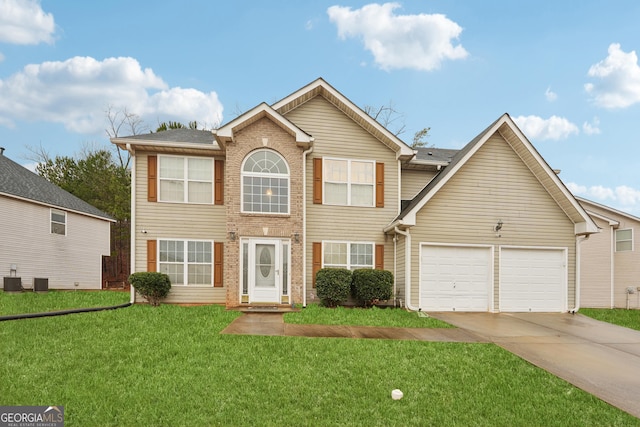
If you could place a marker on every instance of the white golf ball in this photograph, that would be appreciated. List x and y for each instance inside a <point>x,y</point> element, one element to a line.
<point>396,394</point>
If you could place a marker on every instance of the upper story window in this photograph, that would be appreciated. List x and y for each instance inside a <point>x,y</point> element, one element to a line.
<point>186,179</point>
<point>265,183</point>
<point>624,240</point>
<point>58,222</point>
<point>349,182</point>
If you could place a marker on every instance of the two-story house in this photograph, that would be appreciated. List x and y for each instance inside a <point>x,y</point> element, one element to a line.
<point>248,213</point>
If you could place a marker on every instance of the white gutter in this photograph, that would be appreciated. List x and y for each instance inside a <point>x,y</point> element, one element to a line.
<point>407,269</point>
<point>579,240</point>
<point>304,224</point>
<point>132,297</point>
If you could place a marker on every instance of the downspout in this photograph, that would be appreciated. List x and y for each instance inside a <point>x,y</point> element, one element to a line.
<point>407,269</point>
<point>579,240</point>
<point>612,264</point>
<point>132,262</point>
<point>304,223</point>
<point>395,271</point>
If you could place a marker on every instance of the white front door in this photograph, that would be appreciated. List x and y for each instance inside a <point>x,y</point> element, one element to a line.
<point>265,267</point>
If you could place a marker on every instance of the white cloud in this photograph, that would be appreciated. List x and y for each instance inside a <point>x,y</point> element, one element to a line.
<point>24,22</point>
<point>554,127</point>
<point>550,95</point>
<point>591,128</point>
<point>420,42</point>
<point>76,93</point>
<point>621,197</point>
<point>618,75</point>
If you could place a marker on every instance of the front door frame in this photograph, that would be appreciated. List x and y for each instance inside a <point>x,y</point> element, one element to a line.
<point>249,293</point>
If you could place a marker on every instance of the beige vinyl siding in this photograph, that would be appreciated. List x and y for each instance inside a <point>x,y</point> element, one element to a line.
<point>400,266</point>
<point>596,267</point>
<point>493,185</point>
<point>27,241</point>
<point>336,135</point>
<point>180,221</point>
<point>413,181</point>
<point>626,264</point>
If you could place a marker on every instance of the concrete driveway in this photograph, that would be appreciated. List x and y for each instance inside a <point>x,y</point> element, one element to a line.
<point>598,357</point>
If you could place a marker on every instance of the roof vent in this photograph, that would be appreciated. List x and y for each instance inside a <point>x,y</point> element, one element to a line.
<point>1,151</point>
<point>430,153</point>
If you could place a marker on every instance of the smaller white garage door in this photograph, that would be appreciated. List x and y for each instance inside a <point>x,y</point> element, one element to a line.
<point>455,278</point>
<point>533,280</point>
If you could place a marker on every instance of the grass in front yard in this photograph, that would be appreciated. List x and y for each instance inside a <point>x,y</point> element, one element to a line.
<point>32,302</point>
<point>169,366</point>
<point>314,314</point>
<point>616,316</point>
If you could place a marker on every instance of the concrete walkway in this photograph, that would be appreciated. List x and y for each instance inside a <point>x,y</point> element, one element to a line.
<point>598,357</point>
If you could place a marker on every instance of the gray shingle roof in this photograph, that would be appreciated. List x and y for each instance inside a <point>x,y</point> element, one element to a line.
<point>15,180</point>
<point>177,135</point>
<point>437,154</point>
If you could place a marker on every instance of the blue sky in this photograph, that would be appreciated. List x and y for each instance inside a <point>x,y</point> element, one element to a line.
<point>567,72</point>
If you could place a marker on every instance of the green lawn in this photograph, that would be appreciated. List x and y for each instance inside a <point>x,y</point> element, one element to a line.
<point>617,316</point>
<point>31,302</point>
<point>169,366</point>
<point>314,314</point>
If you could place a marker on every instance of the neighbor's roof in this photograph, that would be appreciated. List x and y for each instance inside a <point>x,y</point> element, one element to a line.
<point>18,182</point>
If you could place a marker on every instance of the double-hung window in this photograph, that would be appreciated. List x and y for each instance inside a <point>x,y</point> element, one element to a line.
<point>624,240</point>
<point>186,262</point>
<point>58,222</point>
<point>186,179</point>
<point>349,255</point>
<point>349,182</point>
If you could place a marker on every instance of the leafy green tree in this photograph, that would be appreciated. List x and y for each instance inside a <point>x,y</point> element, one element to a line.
<point>176,125</point>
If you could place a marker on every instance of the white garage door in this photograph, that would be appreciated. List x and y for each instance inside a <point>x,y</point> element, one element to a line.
<point>533,280</point>
<point>455,278</point>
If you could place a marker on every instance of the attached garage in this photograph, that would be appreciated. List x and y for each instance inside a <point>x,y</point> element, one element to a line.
<point>533,279</point>
<point>455,278</point>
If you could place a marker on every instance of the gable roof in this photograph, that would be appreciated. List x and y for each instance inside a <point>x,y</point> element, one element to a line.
<point>18,182</point>
<point>320,87</point>
<point>225,133</point>
<point>507,128</point>
<point>172,140</point>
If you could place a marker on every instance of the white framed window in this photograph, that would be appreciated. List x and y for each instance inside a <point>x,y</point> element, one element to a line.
<point>349,182</point>
<point>349,255</point>
<point>58,222</point>
<point>185,179</point>
<point>624,240</point>
<point>186,262</point>
<point>265,183</point>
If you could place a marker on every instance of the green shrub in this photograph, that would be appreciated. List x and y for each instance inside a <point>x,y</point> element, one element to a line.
<point>333,285</point>
<point>372,286</point>
<point>153,286</point>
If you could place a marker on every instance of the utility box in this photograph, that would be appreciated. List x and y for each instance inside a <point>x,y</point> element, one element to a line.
<point>12,284</point>
<point>40,284</point>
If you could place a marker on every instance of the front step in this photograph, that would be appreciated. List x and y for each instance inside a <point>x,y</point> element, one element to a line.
<point>266,308</point>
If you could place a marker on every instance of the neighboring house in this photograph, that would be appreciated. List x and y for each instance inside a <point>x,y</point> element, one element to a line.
<point>48,232</point>
<point>247,214</point>
<point>610,260</point>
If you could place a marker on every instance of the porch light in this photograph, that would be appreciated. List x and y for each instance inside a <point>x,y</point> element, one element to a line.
<point>498,226</point>
<point>232,236</point>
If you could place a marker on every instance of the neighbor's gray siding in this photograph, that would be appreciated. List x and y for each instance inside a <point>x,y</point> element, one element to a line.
<point>68,260</point>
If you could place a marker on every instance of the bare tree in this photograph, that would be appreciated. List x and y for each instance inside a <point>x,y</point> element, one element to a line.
<point>388,116</point>
<point>122,121</point>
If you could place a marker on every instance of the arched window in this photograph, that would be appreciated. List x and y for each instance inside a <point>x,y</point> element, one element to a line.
<point>265,183</point>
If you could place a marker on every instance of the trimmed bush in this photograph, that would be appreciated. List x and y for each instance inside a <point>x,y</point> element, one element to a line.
<point>153,286</point>
<point>372,286</point>
<point>333,285</point>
